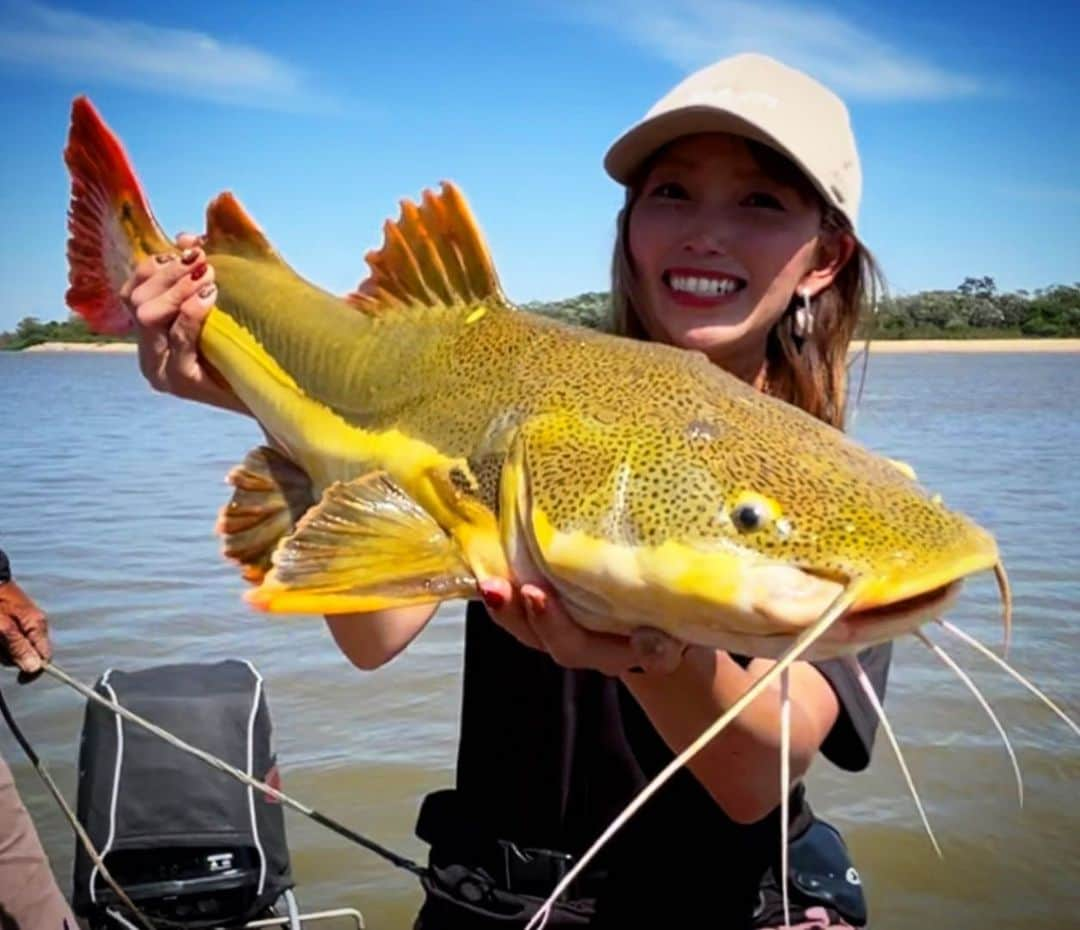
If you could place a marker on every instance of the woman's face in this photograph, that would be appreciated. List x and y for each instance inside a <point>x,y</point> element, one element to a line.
<point>719,249</point>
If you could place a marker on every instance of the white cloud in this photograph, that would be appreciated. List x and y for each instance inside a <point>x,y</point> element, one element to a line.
<point>158,59</point>
<point>845,56</point>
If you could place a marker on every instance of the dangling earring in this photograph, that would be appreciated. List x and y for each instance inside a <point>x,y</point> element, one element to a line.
<point>803,324</point>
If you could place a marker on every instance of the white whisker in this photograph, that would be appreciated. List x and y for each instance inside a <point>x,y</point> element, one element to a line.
<point>785,778</point>
<point>975,644</point>
<point>871,695</point>
<point>966,679</point>
<point>805,640</point>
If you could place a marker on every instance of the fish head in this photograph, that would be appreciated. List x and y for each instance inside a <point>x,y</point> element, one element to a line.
<point>813,513</point>
<point>735,520</point>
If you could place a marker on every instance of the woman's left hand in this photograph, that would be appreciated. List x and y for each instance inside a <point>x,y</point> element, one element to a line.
<point>533,614</point>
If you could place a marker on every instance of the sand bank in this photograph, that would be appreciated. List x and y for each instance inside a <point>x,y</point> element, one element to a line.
<point>83,347</point>
<point>913,346</point>
<point>881,346</point>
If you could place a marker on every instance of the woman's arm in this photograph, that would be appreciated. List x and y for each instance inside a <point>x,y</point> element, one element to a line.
<point>740,768</point>
<point>170,297</point>
<point>683,692</point>
<point>373,639</point>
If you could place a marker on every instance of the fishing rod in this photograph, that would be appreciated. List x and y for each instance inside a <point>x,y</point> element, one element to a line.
<point>52,669</point>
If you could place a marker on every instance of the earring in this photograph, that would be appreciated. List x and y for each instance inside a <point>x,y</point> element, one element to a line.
<point>803,324</point>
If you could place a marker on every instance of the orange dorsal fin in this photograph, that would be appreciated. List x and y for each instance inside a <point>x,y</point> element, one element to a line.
<point>433,256</point>
<point>230,230</point>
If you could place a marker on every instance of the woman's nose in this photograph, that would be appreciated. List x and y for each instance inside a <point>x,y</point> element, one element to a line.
<point>708,233</point>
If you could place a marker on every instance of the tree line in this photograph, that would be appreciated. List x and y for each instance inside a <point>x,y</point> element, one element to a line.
<point>31,331</point>
<point>974,310</point>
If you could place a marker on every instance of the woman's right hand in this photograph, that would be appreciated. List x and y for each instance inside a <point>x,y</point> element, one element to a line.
<point>169,296</point>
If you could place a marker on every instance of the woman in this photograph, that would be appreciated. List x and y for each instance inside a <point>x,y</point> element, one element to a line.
<point>737,240</point>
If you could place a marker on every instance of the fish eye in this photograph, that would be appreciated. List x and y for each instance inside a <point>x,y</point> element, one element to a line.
<point>752,512</point>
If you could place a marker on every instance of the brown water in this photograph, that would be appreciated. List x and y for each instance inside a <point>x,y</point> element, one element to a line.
<point>110,494</point>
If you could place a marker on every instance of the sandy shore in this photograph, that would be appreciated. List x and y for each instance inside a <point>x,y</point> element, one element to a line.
<point>910,346</point>
<point>880,347</point>
<point>83,347</point>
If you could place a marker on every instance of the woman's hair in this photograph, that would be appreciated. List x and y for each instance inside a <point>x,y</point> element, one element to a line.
<point>810,373</point>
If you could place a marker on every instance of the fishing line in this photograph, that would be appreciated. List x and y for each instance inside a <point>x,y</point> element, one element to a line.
<point>390,856</point>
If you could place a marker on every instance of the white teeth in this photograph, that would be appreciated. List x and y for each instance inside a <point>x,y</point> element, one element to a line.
<point>706,287</point>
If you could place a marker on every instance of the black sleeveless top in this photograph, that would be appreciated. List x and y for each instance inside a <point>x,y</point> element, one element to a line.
<point>548,756</point>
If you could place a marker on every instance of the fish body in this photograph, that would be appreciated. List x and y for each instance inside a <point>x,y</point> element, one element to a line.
<point>427,434</point>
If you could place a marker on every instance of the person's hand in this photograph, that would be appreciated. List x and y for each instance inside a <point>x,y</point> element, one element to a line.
<point>24,632</point>
<point>532,613</point>
<point>169,296</point>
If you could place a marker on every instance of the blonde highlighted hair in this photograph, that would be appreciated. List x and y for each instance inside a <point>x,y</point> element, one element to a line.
<point>810,373</point>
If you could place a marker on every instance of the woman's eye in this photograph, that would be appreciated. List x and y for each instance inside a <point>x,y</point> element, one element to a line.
<point>670,190</point>
<point>763,199</point>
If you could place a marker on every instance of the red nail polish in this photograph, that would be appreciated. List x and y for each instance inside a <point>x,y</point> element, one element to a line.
<point>198,271</point>
<point>494,599</point>
<point>188,256</point>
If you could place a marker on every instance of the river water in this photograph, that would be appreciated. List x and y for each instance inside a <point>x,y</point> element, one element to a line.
<point>110,494</point>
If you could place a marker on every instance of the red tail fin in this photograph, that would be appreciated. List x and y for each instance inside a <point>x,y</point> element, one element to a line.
<point>111,228</point>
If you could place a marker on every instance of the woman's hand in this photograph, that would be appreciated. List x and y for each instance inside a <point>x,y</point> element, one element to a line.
<point>169,296</point>
<point>532,613</point>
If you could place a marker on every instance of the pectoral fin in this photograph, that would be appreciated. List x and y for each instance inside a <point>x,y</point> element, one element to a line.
<point>272,494</point>
<point>365,546</point>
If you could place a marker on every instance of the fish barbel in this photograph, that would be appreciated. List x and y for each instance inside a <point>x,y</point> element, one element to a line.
<point>426,435</point>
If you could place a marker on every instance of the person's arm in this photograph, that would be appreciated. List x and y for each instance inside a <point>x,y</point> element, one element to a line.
<point>372,639</point>
<point>740,768</point>
<point>683,691</point>
<point>169,297</point>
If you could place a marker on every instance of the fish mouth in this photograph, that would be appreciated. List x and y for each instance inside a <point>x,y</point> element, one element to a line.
<point>869,626</point>
<point>888,608</point>
<point>869,620</point>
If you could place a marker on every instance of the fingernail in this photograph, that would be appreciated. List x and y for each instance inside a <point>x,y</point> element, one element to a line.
<point>188,256</point>
<point>164,258</point>
<point>536,602</point>
<point>206,291</point>
<point>493,597</point>
<point>198,271</point>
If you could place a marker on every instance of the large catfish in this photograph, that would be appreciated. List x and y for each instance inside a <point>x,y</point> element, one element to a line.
<point>426,435</point>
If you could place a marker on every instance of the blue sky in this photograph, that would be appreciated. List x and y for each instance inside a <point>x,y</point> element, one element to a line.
<point>321,117</point>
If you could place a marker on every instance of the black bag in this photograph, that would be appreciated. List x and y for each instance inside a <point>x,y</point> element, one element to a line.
<point>185,841</point>
<point>820,874</point>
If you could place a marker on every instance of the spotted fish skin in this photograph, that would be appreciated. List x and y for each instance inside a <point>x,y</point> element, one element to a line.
<point>648,485</point>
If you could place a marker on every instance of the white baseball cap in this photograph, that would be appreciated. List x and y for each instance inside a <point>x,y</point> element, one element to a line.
<point>757,97</point>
